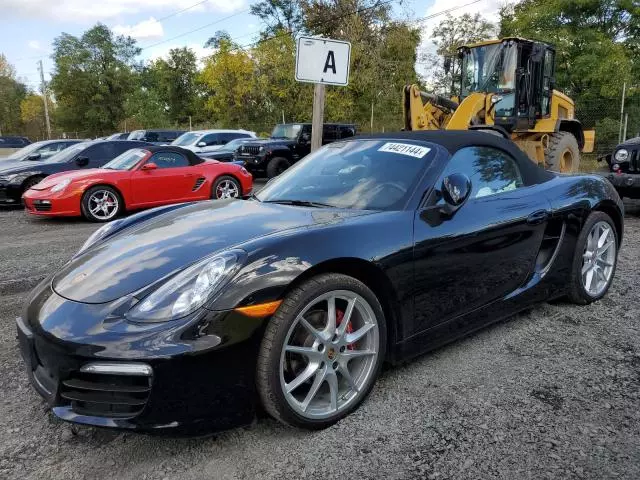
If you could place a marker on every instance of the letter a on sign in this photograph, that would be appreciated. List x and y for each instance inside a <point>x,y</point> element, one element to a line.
<point>322,60</point>
<point>330,63</point>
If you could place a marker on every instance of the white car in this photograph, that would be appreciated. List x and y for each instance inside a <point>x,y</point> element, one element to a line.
<point>202,141</point>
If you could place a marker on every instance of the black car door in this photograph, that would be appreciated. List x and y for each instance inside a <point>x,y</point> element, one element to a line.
<point>487,249</point>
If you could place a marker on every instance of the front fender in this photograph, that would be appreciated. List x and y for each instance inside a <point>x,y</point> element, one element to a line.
<point>383,239</point>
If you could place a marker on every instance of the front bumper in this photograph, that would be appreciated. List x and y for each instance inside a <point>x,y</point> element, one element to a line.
<point>255,164</point>
<point>10,194</point>
<point>626,184</point>
<point>202,368</point>
<point>45,203</point>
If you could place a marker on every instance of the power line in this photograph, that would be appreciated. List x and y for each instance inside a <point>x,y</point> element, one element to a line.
<point>444,12</point>
<point>242,12</point>
<point>183,10</point>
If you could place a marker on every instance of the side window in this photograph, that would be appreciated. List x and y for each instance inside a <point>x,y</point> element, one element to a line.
<point>211,139</point>
<point>152,137</point>
<point>329,133</point>
<point>227,137</point>
<point>102,151</point>
<point>167,136</point>
<point>169,160</point>
<point>119,148</point>
<point>491,171</point>
<point>346,132</point>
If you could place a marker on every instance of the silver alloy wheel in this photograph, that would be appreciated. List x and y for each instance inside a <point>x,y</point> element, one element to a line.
<point>329,355</point>
<point>227,189</point>
<point>598,259</point>
<point>103,204</point>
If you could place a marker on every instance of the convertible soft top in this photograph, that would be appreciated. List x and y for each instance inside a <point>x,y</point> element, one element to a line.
<point>454,140</point>
<point>192,157</point>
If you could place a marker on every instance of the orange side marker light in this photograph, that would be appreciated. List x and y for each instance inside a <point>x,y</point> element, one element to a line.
<point>260,310</point>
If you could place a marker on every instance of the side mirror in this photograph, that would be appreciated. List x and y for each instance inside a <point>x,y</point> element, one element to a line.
<point>201,144</point>
<point>149,166</point>
<point>34,156</point>
<point>305,138</point>
<point>82,161</point>
<point>456,188</point>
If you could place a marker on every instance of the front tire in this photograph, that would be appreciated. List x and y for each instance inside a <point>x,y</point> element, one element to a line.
<point>595,259</point>
<point>562,154</point>
<point>226,187</point>
<point>276,166</point>
<point>322,352</point>
<point>101,204</point>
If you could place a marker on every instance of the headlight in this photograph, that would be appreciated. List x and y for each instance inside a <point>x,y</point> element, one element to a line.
<point>189,290</point>
<point>99,234</point>
<point>621,155</point>
<point>15,177</point>
<point>58,187</point>
<point>261,149</point>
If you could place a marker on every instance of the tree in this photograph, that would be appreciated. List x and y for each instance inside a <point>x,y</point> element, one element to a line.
<point>92,78</point>
<point>228,77</point>
<point>32,115</point>
<point>175,80</point>
<point>12,92</point>
<point>451,33</point>
<point>279,16</point>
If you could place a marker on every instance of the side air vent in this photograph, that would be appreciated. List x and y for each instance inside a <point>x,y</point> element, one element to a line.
<point>551,242</point>
<point>198,184</point>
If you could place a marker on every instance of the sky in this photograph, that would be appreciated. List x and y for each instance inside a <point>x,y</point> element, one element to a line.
<point>29,26</point>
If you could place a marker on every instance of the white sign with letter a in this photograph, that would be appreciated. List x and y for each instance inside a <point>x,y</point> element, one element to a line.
<point>321,60</point>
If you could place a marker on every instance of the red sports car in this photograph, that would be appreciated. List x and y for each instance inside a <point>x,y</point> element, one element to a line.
<point>139,178</point>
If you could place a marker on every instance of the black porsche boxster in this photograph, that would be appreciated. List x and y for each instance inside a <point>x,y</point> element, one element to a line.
<point>371,249</point>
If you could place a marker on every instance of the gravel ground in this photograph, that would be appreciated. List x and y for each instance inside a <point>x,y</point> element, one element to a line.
<point>552,393</point>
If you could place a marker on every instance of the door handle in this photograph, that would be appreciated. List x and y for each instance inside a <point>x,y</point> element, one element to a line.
<point>536,218</point>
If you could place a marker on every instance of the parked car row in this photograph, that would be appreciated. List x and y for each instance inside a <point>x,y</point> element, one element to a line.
<point>100,179</point>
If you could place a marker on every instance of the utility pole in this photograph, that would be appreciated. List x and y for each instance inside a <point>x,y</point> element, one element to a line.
<point>44,96</point>
<point>624,91</point>
<point>317,117</point>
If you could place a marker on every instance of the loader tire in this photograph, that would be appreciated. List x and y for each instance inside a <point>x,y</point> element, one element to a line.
<point>562,154</point>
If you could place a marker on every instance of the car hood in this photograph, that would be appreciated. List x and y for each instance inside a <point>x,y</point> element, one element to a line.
<point>8,167</point>
<point>271,141</point>
<point>632,142</point>
<point>52,180</point>
<point>150,250</point>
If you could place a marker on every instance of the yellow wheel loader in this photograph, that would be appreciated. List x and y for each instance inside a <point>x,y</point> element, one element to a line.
<point>507,85</point>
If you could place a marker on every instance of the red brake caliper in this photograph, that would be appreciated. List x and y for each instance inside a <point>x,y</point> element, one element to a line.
<point>339,317</point>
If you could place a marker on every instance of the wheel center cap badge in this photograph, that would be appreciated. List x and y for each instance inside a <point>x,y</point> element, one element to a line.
<point>331,353</point>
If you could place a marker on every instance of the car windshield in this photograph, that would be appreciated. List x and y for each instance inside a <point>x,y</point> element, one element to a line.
<point>126,160</point>
<point>67,154</point>
<point>23,152</point>
<point>357,174</point>
<point>286,131</point>
<point>136,135</point>
<point>185,139</point>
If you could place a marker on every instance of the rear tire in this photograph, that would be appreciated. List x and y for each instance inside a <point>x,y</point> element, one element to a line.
<point>562,154</point>
<point>101,204</point>
<point>599,257</point>
<point>333,369</point>
<point>276,166</point>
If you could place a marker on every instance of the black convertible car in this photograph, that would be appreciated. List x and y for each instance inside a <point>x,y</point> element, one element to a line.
<point>372,249</point>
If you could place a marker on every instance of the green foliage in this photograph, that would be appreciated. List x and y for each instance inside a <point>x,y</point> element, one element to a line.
<point>279,15</point>
<point>92,79</point>
<point>175,81</point>
<point>12,92</point>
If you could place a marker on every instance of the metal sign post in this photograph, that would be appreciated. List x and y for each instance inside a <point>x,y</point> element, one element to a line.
<point>323,62</point>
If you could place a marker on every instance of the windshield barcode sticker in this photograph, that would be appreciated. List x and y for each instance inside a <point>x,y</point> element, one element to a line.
<point>405,149</point>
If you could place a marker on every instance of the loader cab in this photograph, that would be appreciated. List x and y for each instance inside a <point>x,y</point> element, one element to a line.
<point>518,72</point>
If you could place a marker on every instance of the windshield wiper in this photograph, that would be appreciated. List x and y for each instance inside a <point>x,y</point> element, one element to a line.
<point>301,203</point>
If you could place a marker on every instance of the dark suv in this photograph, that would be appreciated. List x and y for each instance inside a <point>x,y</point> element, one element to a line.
<point>288,143</point>
<point>624,167</point>
<point>157,137</point>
